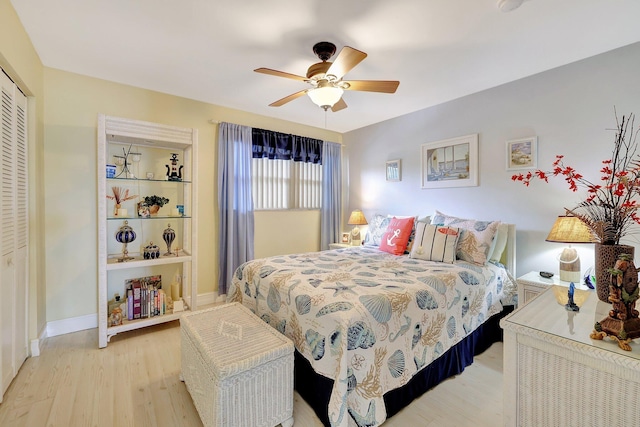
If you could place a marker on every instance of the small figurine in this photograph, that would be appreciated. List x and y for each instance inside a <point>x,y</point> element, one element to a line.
<point>174,173</point>
<point>571,305</point>
<point>116,317</point>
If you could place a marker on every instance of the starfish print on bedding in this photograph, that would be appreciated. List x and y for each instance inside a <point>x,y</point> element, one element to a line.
<point>398,272</point>
<point>340,289</point>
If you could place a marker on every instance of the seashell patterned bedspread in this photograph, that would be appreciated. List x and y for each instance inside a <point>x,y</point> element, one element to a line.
<point>367,319</point>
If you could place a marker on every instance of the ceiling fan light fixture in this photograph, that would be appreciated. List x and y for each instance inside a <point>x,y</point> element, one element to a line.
<point>325,96</point>
<point>509,5</point>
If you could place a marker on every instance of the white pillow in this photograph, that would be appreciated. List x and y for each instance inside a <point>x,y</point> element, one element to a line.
<point>499,242</point>
<point>435,243</point>
<point>476,239</point>
<point>377,227</point>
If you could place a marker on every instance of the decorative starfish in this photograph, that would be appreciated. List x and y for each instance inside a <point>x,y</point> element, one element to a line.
<point>399,272</point>
<point>340,289</point>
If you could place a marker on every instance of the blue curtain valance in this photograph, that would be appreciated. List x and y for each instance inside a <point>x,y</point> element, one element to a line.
<point>284,146</point>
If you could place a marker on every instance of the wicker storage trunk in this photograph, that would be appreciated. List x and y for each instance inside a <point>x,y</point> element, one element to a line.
<point>237,368</point>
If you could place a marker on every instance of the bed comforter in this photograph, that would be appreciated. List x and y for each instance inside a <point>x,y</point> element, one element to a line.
<point>367,319</point>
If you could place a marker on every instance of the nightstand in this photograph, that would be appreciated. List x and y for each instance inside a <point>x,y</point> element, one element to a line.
<point>556,375</point>
<point>339,245</point>
<point>532,284</point>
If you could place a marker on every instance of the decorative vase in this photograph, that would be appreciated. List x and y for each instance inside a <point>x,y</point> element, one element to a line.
<point>151,251</point>
<point>168,236</point>
<point>117,206</point>
<point>125,235</point>
<point>153,209</point>
<point>605,258</point>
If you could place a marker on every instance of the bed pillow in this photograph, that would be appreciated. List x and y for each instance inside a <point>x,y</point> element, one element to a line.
<point>476,238</point>
<point>395,239</point>
<point>435,243</point>
<point>377,227</point>
<point>427,220</point>
<point>499,242</point>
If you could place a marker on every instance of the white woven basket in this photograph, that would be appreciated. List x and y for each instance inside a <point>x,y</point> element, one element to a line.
<point>238,369</point>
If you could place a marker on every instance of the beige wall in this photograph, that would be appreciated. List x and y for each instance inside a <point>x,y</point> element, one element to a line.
<point>286,232</point>
<point>63,110</point>
<point>20,61</point>
<point>72,104</point>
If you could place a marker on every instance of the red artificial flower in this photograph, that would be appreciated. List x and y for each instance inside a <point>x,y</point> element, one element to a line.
<point>610,207</point>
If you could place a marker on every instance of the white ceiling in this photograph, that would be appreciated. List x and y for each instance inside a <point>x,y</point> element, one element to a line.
<point>207,50</point>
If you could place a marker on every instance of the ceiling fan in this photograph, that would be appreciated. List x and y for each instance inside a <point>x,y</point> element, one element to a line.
<point>326,78</point>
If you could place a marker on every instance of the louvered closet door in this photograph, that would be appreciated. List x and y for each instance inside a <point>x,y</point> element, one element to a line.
<point>13,232</point>
<point>21,232</point>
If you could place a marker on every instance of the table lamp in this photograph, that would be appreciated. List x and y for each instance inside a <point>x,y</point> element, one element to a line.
<point>356,218</point>
<point>569,229</point>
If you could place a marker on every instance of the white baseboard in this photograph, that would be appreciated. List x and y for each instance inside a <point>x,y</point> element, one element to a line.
<point>211,298</point>
<point>35,344</point>
<point>72,324</point>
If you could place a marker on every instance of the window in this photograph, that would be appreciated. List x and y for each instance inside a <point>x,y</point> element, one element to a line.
<point>285,184</point>
<point>286,171</point>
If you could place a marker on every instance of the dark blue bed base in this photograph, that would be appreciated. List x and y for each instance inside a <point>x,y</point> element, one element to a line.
<point>316,389</point>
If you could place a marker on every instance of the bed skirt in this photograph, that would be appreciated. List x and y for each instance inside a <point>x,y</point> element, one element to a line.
<point>316,389</point>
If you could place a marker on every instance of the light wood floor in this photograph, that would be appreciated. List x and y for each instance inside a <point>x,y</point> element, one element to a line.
<point>134,382</point>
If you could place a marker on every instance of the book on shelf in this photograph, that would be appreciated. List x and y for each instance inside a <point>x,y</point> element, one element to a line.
<point>129,304</point>
<point>145,296</point>
<point>137,296</point>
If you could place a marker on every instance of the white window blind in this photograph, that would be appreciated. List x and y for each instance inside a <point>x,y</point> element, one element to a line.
<point>285,184</point>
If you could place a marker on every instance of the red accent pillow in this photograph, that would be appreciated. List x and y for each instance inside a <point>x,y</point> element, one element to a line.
<point>395,239</point>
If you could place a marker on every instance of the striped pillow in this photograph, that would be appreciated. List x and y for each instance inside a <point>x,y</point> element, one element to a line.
<point>435,243</point>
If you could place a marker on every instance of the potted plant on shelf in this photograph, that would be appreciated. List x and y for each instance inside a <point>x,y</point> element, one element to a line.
<point>150,205</point>
<point>610,209</point>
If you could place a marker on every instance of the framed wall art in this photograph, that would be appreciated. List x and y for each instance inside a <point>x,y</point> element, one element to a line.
<point>522,153</point>
<point>450,163</point>
<point>394,170</point>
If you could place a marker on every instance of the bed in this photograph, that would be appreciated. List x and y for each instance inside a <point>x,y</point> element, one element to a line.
<point>374,330</point>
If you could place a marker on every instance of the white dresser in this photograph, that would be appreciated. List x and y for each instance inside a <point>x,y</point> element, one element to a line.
<point>556,375</point>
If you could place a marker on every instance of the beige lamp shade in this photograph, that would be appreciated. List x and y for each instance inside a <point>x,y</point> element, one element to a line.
<point>569,229</point>
<point>356,218</point>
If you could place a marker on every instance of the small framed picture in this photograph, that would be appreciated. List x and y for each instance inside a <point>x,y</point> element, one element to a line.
<point>522,153</point>
<point>394,170</point>
<point>345,237</point>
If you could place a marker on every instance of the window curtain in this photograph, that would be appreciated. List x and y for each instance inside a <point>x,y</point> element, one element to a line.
<point>234,200</point>
<point>331,209</point>
<point>284,146</point>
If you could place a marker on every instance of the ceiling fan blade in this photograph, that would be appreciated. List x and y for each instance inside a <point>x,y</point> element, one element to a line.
<point>277,73</point>
<point>340,105</point>
<point>385,86</point>
<point>345,61</point>
<point>289,98</point>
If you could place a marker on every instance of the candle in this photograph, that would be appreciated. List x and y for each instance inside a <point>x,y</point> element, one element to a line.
<point>175,291</point>
<point>122,212</point>
<point>175,212</point>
